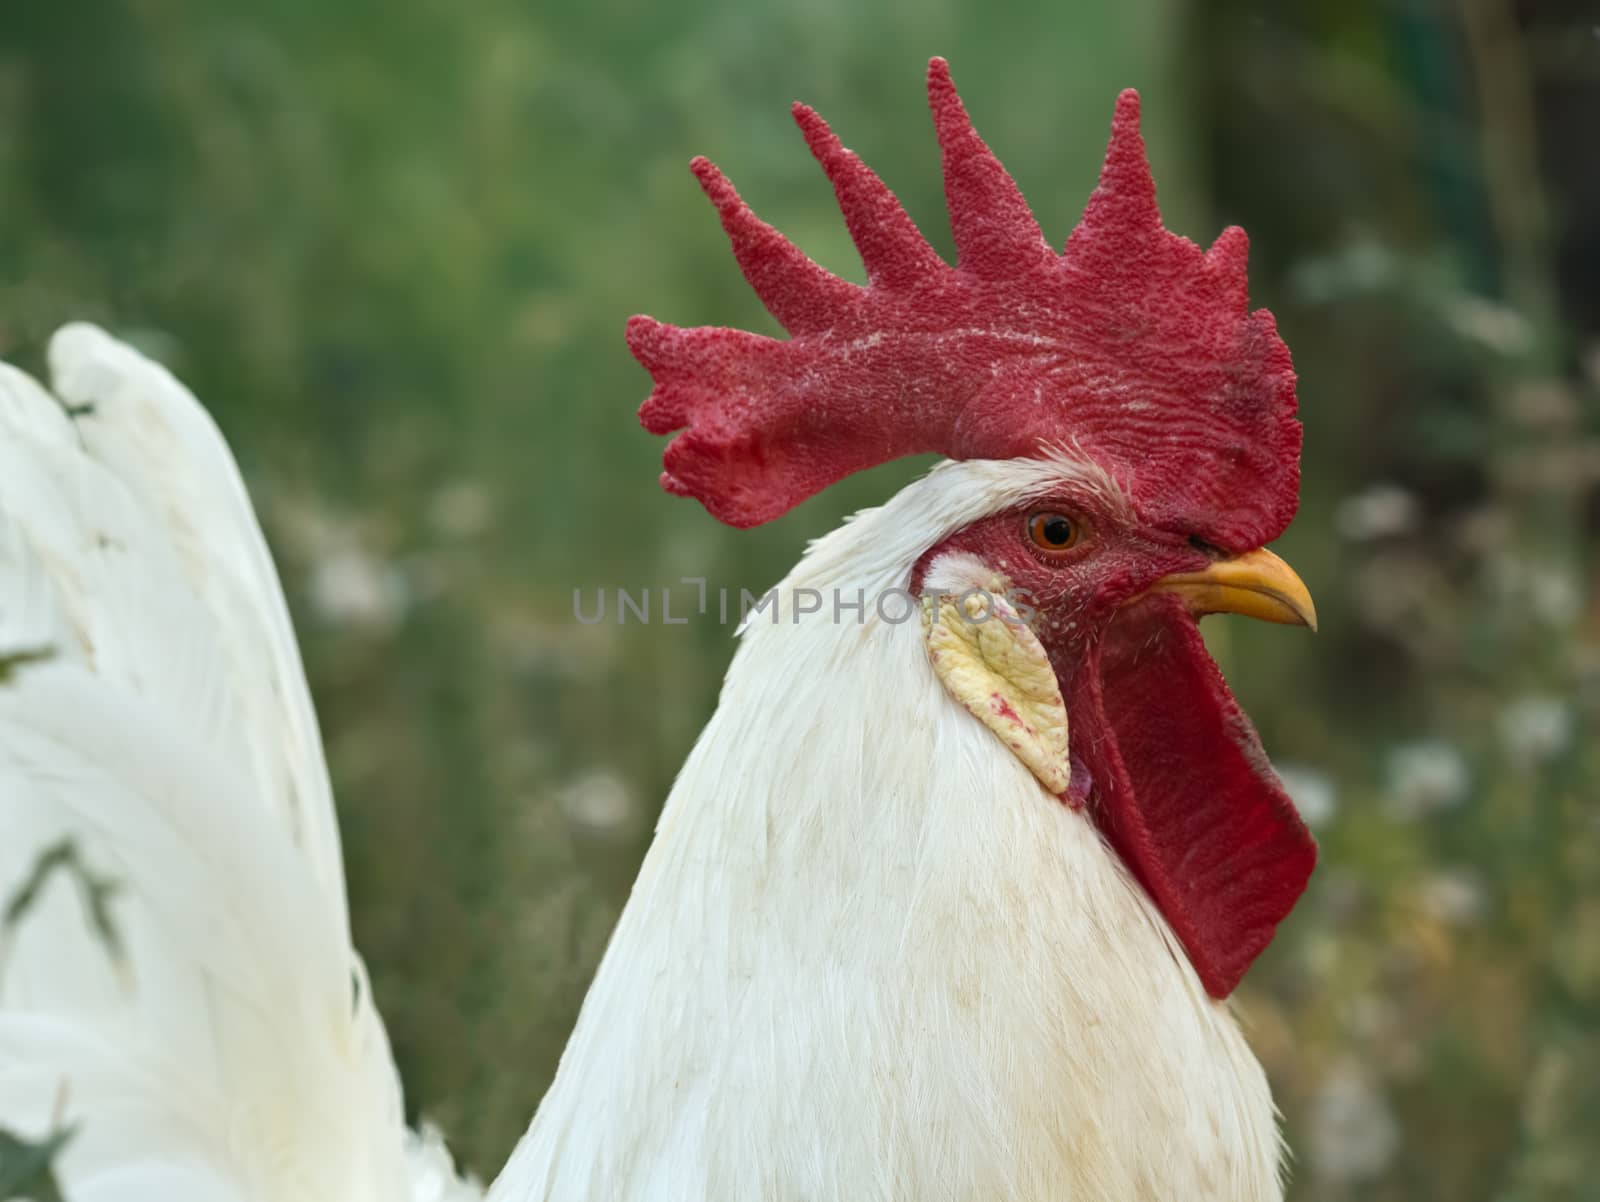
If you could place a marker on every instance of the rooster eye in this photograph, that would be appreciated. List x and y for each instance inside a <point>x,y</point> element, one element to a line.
<point>1052,531</point>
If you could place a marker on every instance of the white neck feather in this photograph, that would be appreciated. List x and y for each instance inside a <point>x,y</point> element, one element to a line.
<point>868,958</point>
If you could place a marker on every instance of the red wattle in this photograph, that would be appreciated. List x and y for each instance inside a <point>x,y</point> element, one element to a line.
<point>1184,791</point>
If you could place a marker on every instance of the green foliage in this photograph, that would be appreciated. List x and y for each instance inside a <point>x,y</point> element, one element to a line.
<point>13,661</point>
<point>97,892</point>
<point>27,1167</point>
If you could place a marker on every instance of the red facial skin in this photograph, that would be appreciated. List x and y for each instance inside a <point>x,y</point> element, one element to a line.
<point>1077,592</point>
<point>1167,766</point>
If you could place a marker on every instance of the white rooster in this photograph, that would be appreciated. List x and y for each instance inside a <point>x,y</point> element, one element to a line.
<point>949,896</point>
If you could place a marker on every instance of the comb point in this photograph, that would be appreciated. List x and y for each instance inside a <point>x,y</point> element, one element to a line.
<point>996,233</point>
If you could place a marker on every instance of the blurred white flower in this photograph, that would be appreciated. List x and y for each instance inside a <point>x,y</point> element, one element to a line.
<point>349,585</point>
<point>1454,896</point>
<point>1426,776</point>
<point>1382,511</point>
<point>598,803</point>
<point>1314,794</point>
<point>1343,896</point>
<point>1321,957</point>
<point>1360,267</point>
<point>1486,530</point>
<point>1536,728</point>
<point>346,582</point>
<point>532,643</point>
<point>1546,591</point>
<point>1553,594</point>
<point>461,509</point>
<point>1370,1017</point>
<point>1498,327</point>
<point>1546,403</point>
<point>1354,1135</point>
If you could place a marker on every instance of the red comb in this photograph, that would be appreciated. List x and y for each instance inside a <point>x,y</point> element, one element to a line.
<point>1132,345</point>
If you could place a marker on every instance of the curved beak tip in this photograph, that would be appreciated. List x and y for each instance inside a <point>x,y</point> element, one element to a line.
<point>1257,584</point>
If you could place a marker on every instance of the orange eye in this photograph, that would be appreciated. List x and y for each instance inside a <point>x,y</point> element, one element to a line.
<point>1052,531</point>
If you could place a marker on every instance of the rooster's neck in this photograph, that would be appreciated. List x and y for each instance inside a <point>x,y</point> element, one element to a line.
<point>867,957</point>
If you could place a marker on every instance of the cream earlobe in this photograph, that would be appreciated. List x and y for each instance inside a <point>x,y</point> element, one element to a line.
<point>991,662</point>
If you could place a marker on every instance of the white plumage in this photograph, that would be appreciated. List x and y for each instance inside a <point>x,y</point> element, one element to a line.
<point>985,1006</point>
<point>869,958</point>
<point>169,735</point>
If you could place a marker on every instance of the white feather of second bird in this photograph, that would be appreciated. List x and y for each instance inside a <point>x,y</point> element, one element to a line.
<point>234,1054</point>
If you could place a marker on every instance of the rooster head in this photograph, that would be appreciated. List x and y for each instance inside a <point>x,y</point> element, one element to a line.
<point>1131,364</point>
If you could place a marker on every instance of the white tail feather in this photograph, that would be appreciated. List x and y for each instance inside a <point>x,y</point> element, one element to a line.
<point>225,1047</point>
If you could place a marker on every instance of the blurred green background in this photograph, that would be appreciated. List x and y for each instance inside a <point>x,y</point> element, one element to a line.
<point>393,243</point>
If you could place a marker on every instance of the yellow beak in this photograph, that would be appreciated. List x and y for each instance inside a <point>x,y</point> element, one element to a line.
<point>1257,584</point>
